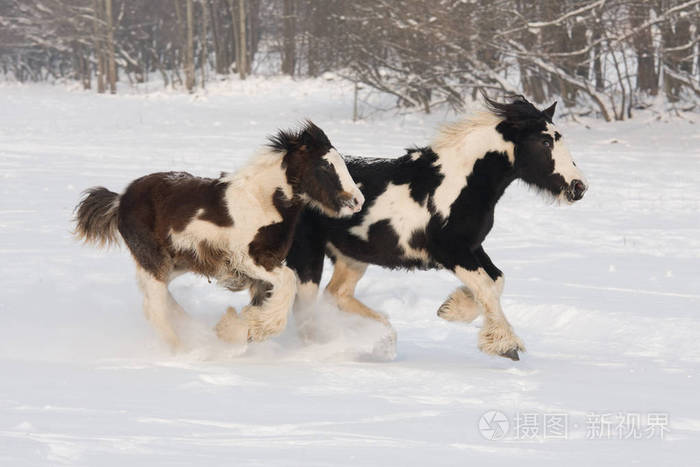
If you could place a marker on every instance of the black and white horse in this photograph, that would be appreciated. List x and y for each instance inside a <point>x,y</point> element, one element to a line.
<point>236,229</point>
<point>432,208</point>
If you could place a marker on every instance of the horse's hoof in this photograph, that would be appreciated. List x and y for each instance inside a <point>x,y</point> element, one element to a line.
<point>512,354</point>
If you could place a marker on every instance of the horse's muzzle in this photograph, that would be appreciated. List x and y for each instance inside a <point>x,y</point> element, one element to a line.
<point>352,202</point>
<point>576,190</point>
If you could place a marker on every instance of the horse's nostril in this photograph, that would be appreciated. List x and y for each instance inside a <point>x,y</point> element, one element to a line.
<point>353,202</point>
<point>578,188</point>
<point>358,201</point>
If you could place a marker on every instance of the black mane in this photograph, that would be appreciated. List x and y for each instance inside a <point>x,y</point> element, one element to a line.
<point>310,135</point>
<point>517,110</point>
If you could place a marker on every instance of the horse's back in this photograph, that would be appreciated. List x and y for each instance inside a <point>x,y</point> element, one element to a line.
<point>364,238</point>
<point>156,206</point>
<point>175,198</point>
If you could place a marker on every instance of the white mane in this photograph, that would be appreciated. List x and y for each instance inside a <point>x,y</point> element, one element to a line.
<point>264,159</point>
<point>452,134</point>
<point>458,146</point>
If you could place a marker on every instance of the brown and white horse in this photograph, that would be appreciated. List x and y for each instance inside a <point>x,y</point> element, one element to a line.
<point>236,229</point>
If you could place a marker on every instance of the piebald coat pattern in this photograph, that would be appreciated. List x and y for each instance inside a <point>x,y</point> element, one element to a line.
<point>433,208</point>
<point>236,229</point>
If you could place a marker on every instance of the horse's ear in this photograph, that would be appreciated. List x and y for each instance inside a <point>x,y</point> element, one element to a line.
<point>549,111</point>
<point>306,136</point>
<point>313,140</point>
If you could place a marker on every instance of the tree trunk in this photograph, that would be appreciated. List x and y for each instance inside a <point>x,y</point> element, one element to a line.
<point>598,59</point>
<point>203,39</point>
<point>160,68</point>
<point>242,43</point>
<point>312,50</point>
<point>531,82</point>
<point>555,38</point>
<point>288,37</point>
<point>189,50</point>
<point>647,80</point>
<point>578,42</point>
<point>85,65</point>
<point>97,9</point>
<point>676,60</point>
<point>177,51</point>
<point>218,52</point>
<point>112,66</point>
<point>253,32</point>
<point>236,34</point>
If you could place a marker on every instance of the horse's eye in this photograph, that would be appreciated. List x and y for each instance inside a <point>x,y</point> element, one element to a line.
<point>547,144</point>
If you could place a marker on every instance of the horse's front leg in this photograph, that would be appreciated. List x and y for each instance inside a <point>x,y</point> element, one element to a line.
<point>485,282</point>
<point>267,313</point>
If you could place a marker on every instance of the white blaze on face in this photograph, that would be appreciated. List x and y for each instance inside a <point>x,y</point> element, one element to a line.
<point>346,182</point>
<point>563,162</point>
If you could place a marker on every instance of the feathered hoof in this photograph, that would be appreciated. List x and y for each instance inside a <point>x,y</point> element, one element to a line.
<point>460,306</point>
<point>232,328</point>
<point>500,341</point>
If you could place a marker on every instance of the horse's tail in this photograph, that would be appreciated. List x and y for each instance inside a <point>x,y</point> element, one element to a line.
<point>96,217</point>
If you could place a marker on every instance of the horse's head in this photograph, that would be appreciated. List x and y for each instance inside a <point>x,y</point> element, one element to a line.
<point>541,156</point>
<point>316,172</point>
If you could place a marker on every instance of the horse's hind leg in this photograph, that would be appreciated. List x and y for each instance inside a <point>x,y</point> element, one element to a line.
<point>154,269</point>
<point>173,306</point>
<point>158,305</point>
<point>346,274</point>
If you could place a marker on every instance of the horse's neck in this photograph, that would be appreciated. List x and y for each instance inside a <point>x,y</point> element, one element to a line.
<point>458,163</point>
<point>261,178</point>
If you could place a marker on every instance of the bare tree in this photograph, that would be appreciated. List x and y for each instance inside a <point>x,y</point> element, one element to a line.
<point>605,56</point>
<point>99,44</point>
<point>288,38</point>
<point>204,62</point>
<point>189,49</point>
<point>111,64</point>
<point>242,40</point>
<point>647,78</point>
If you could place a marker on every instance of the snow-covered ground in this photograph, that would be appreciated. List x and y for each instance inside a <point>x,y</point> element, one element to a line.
<point>605,294</point>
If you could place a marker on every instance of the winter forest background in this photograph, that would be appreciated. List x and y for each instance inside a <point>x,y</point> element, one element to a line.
<point>604,293</point>
<point>601,58</point>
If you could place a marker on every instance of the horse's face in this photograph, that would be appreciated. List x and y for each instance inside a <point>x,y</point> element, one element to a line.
<point>318,174</point>
<point>329,186</point>
<point>545,162</point>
